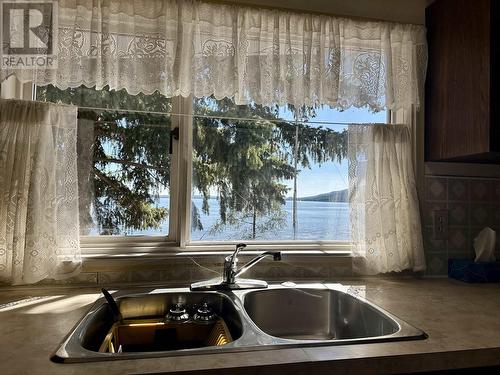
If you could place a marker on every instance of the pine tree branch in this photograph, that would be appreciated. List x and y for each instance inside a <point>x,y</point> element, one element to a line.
<point>110,182</point>
<point>127,162</point>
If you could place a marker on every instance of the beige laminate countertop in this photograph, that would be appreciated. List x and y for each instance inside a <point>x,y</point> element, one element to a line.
<point>462,321</point>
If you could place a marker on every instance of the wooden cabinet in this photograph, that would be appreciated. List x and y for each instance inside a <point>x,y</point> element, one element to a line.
<point>462,88</point>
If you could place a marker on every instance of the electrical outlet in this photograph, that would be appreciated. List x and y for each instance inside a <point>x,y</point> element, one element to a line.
<point>440,227</point>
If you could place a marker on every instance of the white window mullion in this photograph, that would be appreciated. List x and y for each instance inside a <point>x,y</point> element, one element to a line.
<point>12,88</point>
<point>181,171</point>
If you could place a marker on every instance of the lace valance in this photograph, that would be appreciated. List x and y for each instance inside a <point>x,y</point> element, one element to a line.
<point>252,55</point>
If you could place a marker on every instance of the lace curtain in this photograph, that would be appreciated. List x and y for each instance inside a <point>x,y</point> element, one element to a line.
<point>183,47</point>
<point>38,192</point>
<point>384,211</point>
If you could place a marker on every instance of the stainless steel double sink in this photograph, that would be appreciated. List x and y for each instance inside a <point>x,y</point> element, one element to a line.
<point>284,315</point>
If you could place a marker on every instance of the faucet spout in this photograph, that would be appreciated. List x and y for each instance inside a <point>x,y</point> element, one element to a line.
<point>275,254</point>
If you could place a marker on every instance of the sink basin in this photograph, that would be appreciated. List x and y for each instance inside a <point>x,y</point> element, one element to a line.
<point>86,340</point>
<point>277,317</point>
<point>316,314</point>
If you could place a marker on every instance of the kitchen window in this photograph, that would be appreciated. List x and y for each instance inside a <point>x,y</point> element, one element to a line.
<point>255,173</point>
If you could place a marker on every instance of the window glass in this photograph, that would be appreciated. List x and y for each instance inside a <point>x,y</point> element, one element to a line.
<point>260,175</point>
<point>123,160</point>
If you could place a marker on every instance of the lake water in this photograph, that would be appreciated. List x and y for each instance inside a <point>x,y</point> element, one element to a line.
<point>316,221</point>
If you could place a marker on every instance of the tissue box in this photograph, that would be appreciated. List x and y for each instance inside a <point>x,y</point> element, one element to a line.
<point>471,272</point>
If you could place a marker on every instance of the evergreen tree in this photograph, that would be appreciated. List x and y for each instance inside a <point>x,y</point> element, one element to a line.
<point>131,160</point>
<point>240,160</point>
<point>245,163</point>
<point>246,152</point>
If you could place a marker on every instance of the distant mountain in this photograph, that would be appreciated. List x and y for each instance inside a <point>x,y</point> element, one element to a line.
<point>333,196</point>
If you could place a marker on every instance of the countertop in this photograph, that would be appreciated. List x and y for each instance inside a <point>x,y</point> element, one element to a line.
<point>462,321</point>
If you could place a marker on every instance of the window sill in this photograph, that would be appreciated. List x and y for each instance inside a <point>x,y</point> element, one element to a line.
<point>157,246</point>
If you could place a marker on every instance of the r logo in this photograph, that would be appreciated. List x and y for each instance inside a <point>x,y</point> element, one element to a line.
<point>28,33</point>
<point>27,28</point>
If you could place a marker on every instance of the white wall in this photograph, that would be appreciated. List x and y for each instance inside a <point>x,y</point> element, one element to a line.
<point>406,11</point>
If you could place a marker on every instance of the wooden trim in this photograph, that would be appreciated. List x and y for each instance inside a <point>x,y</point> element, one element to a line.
<point>462,170</point>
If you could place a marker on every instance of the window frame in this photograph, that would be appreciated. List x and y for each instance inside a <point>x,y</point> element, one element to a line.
<point>178,217</point>
<point>178,241</point>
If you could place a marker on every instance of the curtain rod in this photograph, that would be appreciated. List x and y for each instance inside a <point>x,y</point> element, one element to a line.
<point>205,116</point>
<point>223,117</point>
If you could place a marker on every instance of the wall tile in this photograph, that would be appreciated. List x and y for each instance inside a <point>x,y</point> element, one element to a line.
<point>436,188</point>
<point>495,190</point>
<point>458,190</point>
<point>480,190</point>
<point>458,239</point>
<point>458,213</point>
<point>341,271</point>
<point>113,277</point>
<point>437,264</point>
<point>173,274</point>
<point>317,272</point>
<point>495,215</point>
<point>480,214</point>
<point>274,273</point>
<point>82,278</point>
<point>298,273</point>
<point>145,275</point>
<point>430,244</point>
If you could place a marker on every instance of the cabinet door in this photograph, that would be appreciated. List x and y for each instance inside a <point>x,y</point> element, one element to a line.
<point>458,80</point>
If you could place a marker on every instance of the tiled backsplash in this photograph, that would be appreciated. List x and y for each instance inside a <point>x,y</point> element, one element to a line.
<point>184,271</point>
<point>472,204</point>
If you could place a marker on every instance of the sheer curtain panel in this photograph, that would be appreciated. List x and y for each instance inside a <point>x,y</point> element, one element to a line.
<point>384,212</point>
<point>38,192</point>
<point>266,56</point>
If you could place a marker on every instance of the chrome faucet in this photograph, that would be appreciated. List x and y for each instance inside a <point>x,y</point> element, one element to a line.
<point>231,271</point>
<point>230,277</point>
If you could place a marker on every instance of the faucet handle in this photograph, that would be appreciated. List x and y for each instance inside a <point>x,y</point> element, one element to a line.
<point>233,257</point>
